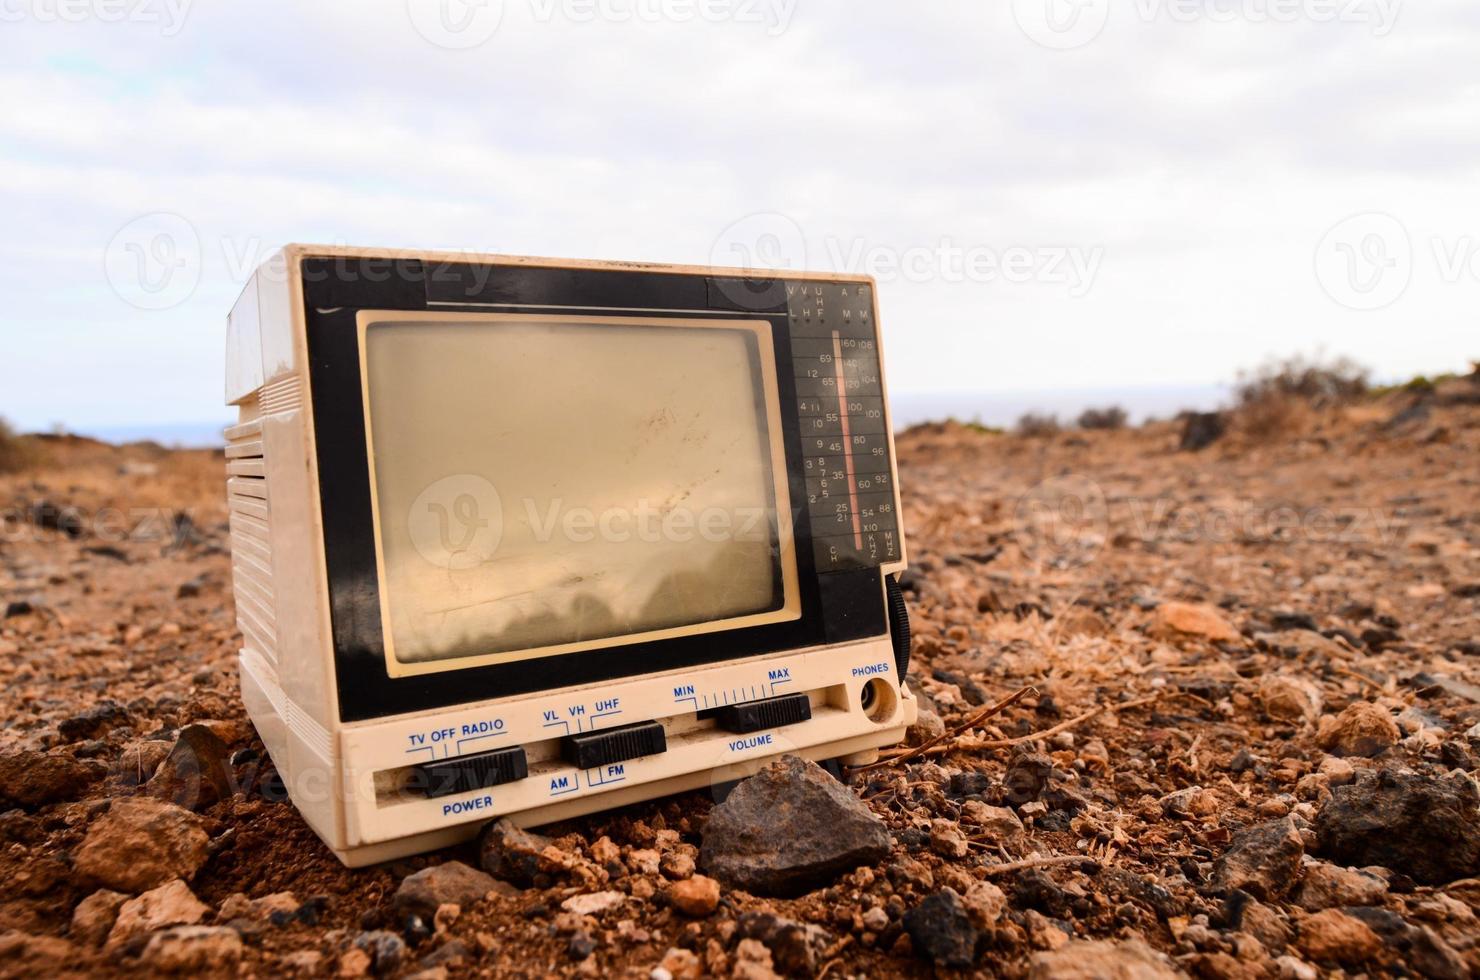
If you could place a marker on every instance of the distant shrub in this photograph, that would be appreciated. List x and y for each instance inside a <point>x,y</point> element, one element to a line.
<point>1316,383</point>
<point>1113,417</point>
<point>1279,399</point>
<point>1035,424</point>
<point>14,453</point>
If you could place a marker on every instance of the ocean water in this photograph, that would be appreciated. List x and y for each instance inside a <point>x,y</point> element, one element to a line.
<point>1002,409</point>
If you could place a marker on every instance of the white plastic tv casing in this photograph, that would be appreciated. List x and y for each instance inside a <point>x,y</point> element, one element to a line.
<point>287,666</point>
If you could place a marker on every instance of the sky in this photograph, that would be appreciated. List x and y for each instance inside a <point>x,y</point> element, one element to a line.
<point>1053,194</point>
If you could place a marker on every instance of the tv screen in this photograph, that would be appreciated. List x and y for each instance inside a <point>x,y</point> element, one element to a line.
<point>542,485</point>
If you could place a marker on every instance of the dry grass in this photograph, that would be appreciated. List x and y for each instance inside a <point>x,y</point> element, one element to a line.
<point>1284,397</point>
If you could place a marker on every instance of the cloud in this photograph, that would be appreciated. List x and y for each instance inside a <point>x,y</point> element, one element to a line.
<point>1203,158</point>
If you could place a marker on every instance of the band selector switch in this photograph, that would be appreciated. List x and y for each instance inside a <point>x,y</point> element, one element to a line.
<point>752,716</point>
<point>592,749</point>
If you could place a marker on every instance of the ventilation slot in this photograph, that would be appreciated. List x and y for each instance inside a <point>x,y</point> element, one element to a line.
<point>251,540</point>
<point>283,395</point>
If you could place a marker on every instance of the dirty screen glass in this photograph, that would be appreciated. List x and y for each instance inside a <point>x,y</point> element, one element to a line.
<point>543,485</point>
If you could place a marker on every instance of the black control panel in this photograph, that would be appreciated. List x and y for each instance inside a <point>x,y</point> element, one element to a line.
<point>845,429</point>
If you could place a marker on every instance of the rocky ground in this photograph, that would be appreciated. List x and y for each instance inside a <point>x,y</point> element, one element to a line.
<point>1211,712</point>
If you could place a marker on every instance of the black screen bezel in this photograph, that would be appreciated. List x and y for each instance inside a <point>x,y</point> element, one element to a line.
<point>835,606</point>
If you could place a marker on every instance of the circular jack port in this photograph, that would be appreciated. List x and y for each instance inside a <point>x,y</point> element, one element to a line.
<point>878,700</point>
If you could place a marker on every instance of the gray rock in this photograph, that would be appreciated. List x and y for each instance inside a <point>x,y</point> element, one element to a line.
<point>196,773</point>
<point>789,829</point>
<point>452,883</point>
<point>1432,957</point>
<point>385,949</point>
<point>510,854</point>
<point>942,930</point>
<point>1263,860</point>
<point>1425,826</point>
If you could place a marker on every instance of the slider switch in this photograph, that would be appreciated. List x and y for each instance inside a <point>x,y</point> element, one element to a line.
<point>752,716</point>
<point>465,773</point>
<point>592,749</point>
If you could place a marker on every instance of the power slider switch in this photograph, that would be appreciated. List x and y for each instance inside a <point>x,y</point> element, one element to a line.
<point>465,773</point>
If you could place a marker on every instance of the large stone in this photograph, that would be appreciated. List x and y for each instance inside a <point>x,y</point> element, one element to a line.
<point>943,930</point>
<point>1263,860</point>
<point>1098,959</point>
<point>1332,936</point>
<point>171,904</point>
<point>1363,729</point>
<point>34,779</point>
<point>196,773</point>
<point>1182,620</point>
<point>1325,886</point>
<point>193,949</point>
<point>94,916</point>
<point>789,829</point>
<point>1425,826</point>
<point>450,883</point>
<point>141,843</point>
